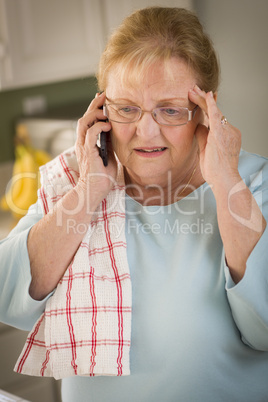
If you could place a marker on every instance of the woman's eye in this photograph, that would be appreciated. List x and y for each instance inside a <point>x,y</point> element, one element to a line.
<point>127,109</point>
<point>170,111</point>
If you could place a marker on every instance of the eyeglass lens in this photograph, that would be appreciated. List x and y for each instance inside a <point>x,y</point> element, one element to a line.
<point>163,115</point>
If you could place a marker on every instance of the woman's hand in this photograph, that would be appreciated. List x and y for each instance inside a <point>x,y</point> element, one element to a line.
<point>95,179</point>
<point>52,253</point>
<point>219,145</point>
<point>240,220</point>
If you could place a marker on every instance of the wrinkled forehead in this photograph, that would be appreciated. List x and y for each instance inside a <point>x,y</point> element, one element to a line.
<point>170,76</point>
<point>134,73</point>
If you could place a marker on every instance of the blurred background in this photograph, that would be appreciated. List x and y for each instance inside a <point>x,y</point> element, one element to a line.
<point>49,53</point>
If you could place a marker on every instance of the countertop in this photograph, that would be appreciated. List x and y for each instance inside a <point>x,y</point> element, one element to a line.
<point>7,397</point>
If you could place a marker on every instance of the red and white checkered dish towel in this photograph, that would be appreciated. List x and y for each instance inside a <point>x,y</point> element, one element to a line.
<point>86,327</point>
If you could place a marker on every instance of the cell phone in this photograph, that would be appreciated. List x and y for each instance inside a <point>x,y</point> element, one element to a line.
<point>103,148</point>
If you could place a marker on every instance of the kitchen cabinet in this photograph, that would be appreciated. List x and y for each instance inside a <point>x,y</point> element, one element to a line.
<point>55,40</point>
<point>46,41</point>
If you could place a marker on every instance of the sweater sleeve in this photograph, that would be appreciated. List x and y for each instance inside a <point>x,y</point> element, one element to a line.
<point>249,298</point>
<point>17,308</point>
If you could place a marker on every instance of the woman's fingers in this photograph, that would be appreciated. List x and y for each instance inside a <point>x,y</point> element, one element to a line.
<point>214,115</point>
<point>93,114</point>
<point>89,127</point>
<point>219,144</point>
<point>207,103</point>
<point>93,132</point>
<point>198,97</point>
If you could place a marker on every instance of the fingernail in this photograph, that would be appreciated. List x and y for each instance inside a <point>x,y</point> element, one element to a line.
<point>196,88</point>
<point>99,94</point>
<point>211,94</point>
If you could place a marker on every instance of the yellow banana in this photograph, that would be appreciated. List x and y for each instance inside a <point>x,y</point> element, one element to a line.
<point>41,157</point>
<point>29,183</point>
<point>26,181</point>
<point>22,189</point>
<point>14,187</point>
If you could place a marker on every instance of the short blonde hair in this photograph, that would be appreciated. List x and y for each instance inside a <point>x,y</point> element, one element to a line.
<point>156,34</point>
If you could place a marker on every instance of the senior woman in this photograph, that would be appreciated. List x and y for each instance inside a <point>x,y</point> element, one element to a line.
<point>147,278</point>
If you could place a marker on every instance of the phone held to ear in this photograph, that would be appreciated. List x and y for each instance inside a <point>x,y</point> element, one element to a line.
<point>103,148</point>
<point>102,143</point>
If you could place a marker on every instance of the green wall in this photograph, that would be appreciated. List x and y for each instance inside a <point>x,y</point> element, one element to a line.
<point>57,94</point>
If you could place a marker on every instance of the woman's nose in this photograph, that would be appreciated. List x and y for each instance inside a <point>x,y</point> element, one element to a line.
<point>146,126</point>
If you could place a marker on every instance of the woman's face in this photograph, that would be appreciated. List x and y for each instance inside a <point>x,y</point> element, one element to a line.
<point>147,150</point>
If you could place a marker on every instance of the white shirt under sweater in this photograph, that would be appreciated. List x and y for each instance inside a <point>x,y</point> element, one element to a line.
<point>188,316</point>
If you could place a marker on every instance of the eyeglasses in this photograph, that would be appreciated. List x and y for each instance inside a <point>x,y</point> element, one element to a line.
<point>166,116</point>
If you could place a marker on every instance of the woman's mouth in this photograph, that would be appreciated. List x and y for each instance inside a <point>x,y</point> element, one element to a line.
<point>150,152</point>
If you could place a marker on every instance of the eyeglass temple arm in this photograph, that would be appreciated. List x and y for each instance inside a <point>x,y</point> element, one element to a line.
<point>192,113</point>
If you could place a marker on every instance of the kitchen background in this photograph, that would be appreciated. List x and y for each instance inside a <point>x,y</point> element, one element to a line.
<point>48,56</point>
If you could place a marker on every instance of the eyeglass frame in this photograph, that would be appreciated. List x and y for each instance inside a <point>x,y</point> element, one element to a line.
<point>191,114</point>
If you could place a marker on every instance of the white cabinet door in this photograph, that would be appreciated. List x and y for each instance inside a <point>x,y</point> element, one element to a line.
<point>45,41</point>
